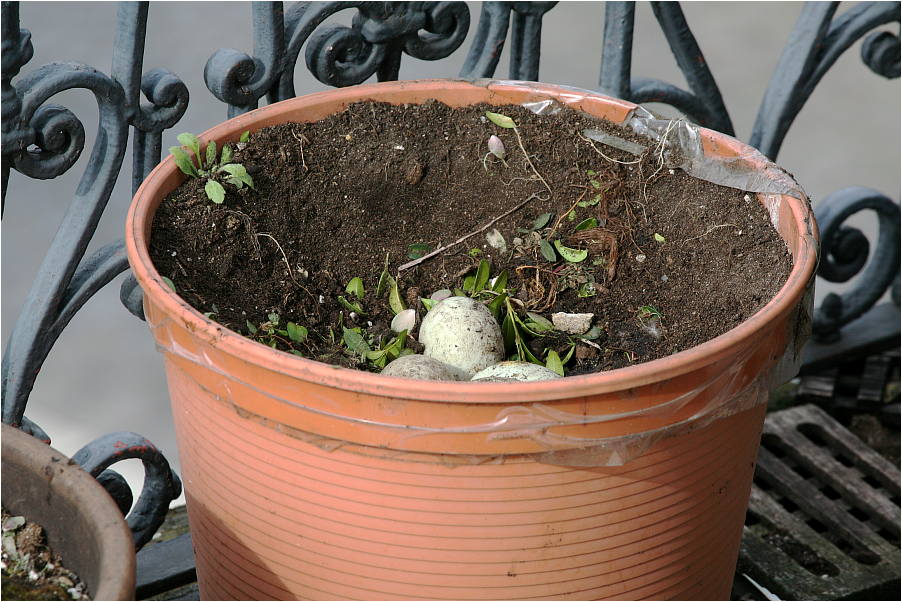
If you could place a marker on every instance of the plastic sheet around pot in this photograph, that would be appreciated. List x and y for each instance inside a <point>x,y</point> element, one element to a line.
<point>604,419</point>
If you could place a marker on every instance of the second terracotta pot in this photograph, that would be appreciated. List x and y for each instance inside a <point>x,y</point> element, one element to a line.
<point>306,480</point>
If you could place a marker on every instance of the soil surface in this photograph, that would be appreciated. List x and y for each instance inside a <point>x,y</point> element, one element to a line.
<point>670,261</point>
<point>31,570</point>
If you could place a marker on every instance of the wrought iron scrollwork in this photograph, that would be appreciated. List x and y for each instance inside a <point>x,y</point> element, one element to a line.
<point>845,253</point>
<point>44,140</point>
<point>815,43</point>
<point>161,484</point>
<point>336,55</point>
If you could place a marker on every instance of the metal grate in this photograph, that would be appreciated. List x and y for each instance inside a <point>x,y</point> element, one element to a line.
<point>823,519</point>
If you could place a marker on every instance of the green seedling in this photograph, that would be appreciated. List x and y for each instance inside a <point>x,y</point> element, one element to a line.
<point>270,334</point>
<point>170,284</point>
<point>351,306</point>
<point>209,167</point>
<point>389,352</point>
<point>660,238</point>
<point>474,252</point>
<point>586,224</point>
<point>547,251</point>
<point>648,312</point>
<point>355,287</point>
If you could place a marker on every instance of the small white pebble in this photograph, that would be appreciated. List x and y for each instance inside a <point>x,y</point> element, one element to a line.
<point>369,323</point>
<point>353,315</point>
<point>739,233</point>
<point>174,253</point>
<point>640,258</point>
<point>322,299</point>
<point>664,278</point>
<point>747,199</point>
<point>671,172</point>
<point>50,566</point>
<point>33,575</point>
<point>241,145</point>
<point>398,147</point>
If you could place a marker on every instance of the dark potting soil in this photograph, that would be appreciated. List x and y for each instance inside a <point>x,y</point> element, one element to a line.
<point>671,261</point>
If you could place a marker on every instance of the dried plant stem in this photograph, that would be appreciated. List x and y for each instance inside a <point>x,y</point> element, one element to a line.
<point>284,257</point>
<point>528,160</point>
<point>710,230</point>
<point>420,260</point>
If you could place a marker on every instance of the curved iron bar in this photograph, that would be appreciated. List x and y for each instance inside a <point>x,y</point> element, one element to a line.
<point>160,481</point>
<point>704,104</point>
<point>844,252</point>
<point>814,45</point>
<point>67,279</point>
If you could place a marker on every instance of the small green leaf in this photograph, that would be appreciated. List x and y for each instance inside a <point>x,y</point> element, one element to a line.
<point>355,341</point>
<point>355,307</point>
<point>355,287</point>
<point>591,202</point>
<point>571,255</point>
<point>547,251</point>
<point>191,141</point>
<point>497,305</point>
<point>593,333</point>
<point>169,283</point>
<point>586,289</point>
<point>427,303</point>
<point>183,161</point>
<point>273,318</point>
<point>660,238</point>
<point>383,283</point>
<point>459,293</point>
<point>500,120</point>
<point>215,191</point>
<point>539,323</point>
<point>226,154</point>
<point>553,362</point>
<point>500,282</point>
<point>591,172</point>
<point>235,182</point>
<point>233,169</point>
<point>595,184</point>
<point>470,284</point>
<point>586,224</point>
<point>417,250</point>
<point>482,276</point>
<point>509,332</point>
<point>251,327</point>
<point>541,221</point>
<point>211,153</point>
<point>474,252</point>
<point>296,333</point>
<point>569,354</point>
<point>394,298</point>
<point>244,136</point>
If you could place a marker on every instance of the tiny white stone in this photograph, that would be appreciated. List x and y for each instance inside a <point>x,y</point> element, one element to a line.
<point>174,253</point>
<point>33,575</point>
<point>322,299</point>
<point>369,323</point>
<point>517,241</point>
<point>572,323</point>
<point>353,315</point>
<point>747,199</point>
<point>739,233</point>
<point>398,147</point>
<point>671,171</point>
<point>640,258</point>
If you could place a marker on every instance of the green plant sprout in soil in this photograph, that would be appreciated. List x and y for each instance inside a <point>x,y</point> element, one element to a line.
<point>589,257</point>
<point>213,168</point>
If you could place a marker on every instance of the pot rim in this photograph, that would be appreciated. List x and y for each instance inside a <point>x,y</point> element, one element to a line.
<point>140,218</point>
<point>66,479</point>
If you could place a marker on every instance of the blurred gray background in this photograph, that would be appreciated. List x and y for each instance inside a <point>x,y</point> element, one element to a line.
<point>104,374</point>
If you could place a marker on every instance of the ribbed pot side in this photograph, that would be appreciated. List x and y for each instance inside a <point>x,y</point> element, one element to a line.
<point>305,480</point>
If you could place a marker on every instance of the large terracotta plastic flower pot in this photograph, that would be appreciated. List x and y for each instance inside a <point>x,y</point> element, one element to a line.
<point>81,521</point>
<point>306,480</point>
